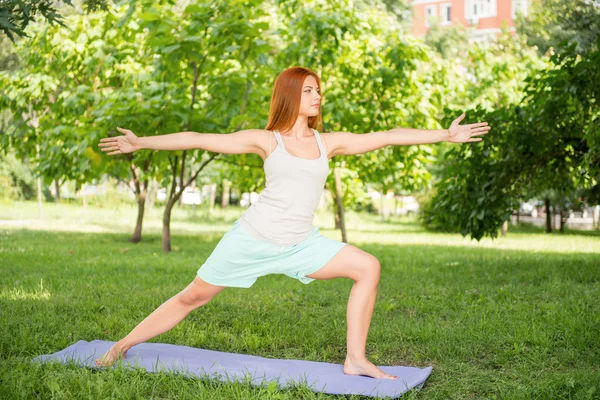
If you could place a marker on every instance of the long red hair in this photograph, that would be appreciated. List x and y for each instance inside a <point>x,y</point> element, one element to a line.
<point>285,101</point>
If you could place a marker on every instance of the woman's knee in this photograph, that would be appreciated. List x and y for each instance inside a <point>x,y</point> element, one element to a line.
<point>370,269</point>
<point>198,293</point>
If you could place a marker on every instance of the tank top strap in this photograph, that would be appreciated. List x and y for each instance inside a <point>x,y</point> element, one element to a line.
<point>278,138</point>
<point>319,142</point>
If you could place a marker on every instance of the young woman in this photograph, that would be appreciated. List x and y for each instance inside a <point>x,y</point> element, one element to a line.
<point>276,234</point>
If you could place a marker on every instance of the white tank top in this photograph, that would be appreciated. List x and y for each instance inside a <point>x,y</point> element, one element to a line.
<point>284,212</point>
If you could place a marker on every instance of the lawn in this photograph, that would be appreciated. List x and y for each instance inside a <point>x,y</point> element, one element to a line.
<point>512,318</point>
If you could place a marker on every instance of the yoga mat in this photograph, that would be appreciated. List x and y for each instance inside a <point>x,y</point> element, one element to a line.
<point>319,376</point>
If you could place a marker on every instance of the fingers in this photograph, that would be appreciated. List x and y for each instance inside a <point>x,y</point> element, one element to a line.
<point>108,143</point>
<point>477,125</point>
<point>475,140</point>
<point>115,138</point>
<point>479,131</point>
<point>110,148</point>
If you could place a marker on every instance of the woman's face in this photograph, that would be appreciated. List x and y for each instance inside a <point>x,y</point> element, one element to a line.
<point>311,97</point>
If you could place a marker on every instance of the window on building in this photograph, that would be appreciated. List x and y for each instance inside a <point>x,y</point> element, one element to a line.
<point>482,8</point>
<point>445,13</point>
<point>519,7</point>
<point>430,15</point>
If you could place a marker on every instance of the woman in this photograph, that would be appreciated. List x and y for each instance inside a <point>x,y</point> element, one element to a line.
<point>275,234</point>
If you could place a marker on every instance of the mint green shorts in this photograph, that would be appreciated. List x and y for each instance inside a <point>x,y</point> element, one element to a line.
<point>239,258</point>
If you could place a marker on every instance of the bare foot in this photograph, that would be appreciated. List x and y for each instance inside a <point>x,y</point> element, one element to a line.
<point>111,356</point>
<point>365,367</point>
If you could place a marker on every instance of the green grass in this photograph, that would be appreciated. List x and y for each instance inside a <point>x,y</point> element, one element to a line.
<point>513,318</point>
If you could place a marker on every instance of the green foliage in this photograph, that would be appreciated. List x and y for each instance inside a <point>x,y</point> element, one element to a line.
<point>477,191</point>
<point>374,78</point>
<point>156,68</point>
<point>8,57</point>
<point>16,179</point>
<point>544,146</point>
<point>450,41</point>
<point>555,25</point>
<point>126,68</point>
<point>16,15</point>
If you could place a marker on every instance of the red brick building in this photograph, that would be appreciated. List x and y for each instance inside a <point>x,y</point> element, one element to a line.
<point>485,16</point>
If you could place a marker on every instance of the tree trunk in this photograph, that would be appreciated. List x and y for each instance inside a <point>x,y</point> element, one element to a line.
<point>225,197</point>
<point>562,220</point>
<point>57,190</point>
<point>382,206</point>
<point>213,194</point>
<point>339,202</point>
<point>153,194</point>
<point>518,214</point>
<point>137,233</point>
<point>174,196</point>
<point>84,199</point>
<point>336,216</point>
<point>166,231</point>
<point>548,216</point>
<point>504,228</point>
<point>39,195</point>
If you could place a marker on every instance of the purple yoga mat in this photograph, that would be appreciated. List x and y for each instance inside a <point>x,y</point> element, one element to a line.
<point>232,367</point>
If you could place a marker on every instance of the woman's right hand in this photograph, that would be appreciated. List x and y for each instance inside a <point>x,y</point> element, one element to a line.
<point>120,144</point>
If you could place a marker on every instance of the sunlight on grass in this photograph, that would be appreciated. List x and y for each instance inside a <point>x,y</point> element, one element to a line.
<point>22,294</point>
<point>362,228</point>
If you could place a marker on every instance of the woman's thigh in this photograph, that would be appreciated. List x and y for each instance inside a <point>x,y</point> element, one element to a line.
<point>350,262</point>
<point>199,292</point>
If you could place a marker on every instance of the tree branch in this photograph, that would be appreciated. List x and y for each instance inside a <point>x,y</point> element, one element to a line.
<point>126,184</point>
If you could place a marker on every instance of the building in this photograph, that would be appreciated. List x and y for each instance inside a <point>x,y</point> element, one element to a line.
<point>485,16</point>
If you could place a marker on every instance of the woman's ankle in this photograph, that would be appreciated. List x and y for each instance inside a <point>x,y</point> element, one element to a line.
<point>122,346</point>
<point>355,357</point>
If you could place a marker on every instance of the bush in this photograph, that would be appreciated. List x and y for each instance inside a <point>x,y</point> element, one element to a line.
<point>17,181</point>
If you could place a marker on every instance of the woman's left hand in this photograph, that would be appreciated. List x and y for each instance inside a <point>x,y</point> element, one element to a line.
<point>464,133</point>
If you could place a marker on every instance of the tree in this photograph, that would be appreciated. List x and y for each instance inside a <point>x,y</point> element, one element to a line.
<point>15,15</point>
<point>373,79</point>
<point>213,54</point>
<point>545,144</point>
<point>558,24</point>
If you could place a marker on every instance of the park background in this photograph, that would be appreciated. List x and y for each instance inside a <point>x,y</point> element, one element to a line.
<point>489,250</point>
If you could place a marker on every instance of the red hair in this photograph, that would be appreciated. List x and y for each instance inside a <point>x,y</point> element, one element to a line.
<point>285,100</point>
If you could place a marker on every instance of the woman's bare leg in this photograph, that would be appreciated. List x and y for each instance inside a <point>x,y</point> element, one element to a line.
<point>165,317</point>
<point>364,268</point>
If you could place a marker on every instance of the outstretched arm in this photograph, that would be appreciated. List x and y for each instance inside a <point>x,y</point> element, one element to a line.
<point>245,141</point>
<point>346,143</point>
